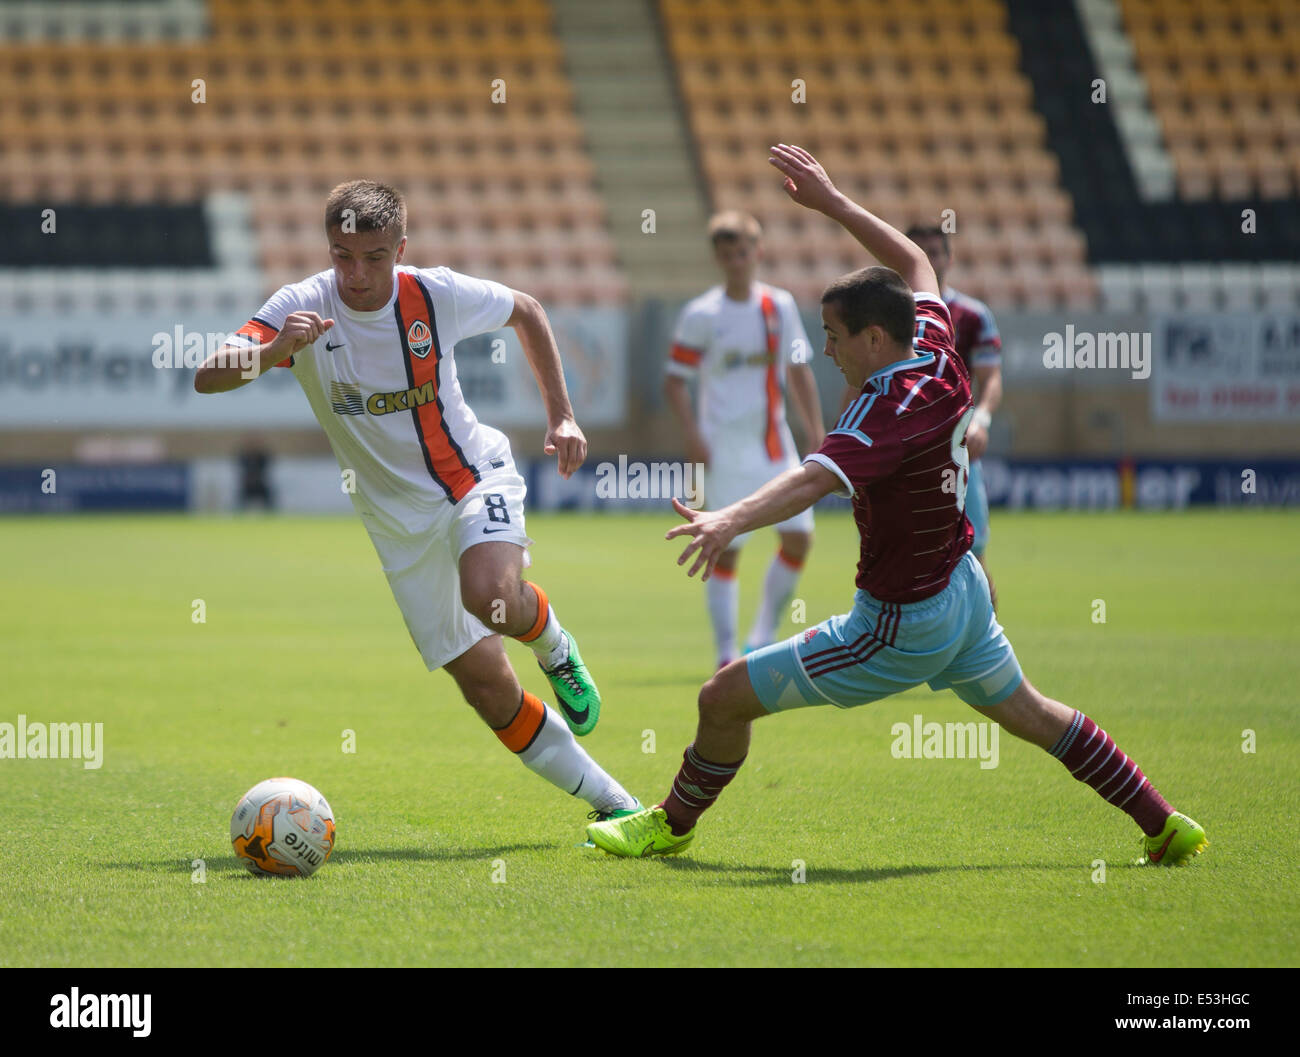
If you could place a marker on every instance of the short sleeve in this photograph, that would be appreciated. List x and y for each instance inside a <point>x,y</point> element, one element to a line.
<point>862,448</point>
<point>690,339</point>
<point>481,305</point>
<point>268,322</point>
<point>987,351</point>
<point>794,338</point>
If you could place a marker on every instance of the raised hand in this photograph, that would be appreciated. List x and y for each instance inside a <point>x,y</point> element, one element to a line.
<point>805,180</point>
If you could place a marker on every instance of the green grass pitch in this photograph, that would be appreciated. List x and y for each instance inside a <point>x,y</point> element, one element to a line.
<point>450,852</point>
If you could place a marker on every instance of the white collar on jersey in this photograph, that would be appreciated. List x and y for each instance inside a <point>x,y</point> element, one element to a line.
<point>756,292</point>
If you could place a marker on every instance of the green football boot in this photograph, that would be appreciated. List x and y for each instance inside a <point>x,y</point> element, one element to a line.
<point>637,835</point>
<point>1178,843</point>
<point>605,816</point>
<point>575,693</point>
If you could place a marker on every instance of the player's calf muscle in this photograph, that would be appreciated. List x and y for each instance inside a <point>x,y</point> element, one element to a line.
<point>487,682</point>
<point>1032,716</point>
<point>724,726</point>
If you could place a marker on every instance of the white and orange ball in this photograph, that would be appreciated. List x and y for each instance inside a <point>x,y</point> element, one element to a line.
<point>283,827</point>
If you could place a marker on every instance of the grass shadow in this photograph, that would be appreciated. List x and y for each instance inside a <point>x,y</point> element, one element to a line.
<point>345,857</point>
<point>756,876</point>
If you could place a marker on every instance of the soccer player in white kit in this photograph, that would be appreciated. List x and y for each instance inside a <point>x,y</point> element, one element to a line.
<point>745,342</point>
<point>370,341</point>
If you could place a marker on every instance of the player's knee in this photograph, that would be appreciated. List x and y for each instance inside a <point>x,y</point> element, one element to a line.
<point>487,598</point>
<point>796,545</point>
<point>716,704</point>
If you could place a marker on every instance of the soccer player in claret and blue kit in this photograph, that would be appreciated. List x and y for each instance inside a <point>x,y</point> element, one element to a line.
<point>922,612</point>
<point>371,341</point>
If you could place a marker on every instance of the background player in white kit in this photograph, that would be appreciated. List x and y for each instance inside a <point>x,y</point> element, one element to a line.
<point>371,342</point>
<point>744,341</point>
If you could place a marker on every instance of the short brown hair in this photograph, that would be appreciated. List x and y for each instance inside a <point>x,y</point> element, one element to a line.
<point>930,231</point>
<point>374,207</point>
<point>874,297</point>
<point>733,224</point>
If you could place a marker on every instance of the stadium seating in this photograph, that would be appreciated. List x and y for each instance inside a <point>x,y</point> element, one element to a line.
<point>919,110</point>
<point>299,96</point>
<point>1224,83</point>
<point>916,109</point>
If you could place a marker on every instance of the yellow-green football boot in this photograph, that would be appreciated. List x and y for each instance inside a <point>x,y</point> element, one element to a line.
<point>638,835</point>
<point>1177,844</point>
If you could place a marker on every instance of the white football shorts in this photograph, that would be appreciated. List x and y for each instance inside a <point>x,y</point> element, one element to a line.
<point>738,469</point>
<point>424,571</point>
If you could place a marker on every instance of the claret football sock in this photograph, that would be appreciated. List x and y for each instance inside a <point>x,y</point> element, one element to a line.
<point>697,785</point>
<point>1092,757</point>
<point>778,587</point>
<point>546,638</point>
<point>723,593</point>
<point>546,746</point>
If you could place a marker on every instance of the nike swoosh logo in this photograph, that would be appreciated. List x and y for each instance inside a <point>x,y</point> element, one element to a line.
<point>487,530</point>
<point>1156,856</point>
<point>331,348</point>
<point>577,717</point>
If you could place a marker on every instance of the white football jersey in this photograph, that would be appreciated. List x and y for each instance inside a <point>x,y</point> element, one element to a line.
<point>741,351</point>
<point>383,387</point>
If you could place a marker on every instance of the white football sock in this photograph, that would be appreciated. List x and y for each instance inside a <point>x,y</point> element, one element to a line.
<point>552,644</point>
<point>556,755</point>
<point>723,593</point>
<point>778,587</point>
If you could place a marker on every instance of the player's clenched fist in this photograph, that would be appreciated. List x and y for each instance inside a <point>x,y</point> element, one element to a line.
<point>805,180</point>
<point>300,330</point>
<point>566,442</point>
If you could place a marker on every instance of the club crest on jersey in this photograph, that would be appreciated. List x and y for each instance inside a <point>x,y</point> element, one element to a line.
<point>419,339</point>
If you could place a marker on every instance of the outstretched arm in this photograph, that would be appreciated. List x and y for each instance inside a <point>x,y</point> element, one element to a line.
<point>781,498</point>
<point>807,183</point>
<point>563,437</point>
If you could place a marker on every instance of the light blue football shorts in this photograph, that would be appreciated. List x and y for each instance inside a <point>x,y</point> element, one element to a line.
<point>951,641</point>
<point>977,507</point>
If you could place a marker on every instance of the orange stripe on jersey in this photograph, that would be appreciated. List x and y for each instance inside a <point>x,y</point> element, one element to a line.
<point>684,354</point>
<point>772,325</point>
<point>262,333</point>
<point>419,333</point>
<point>520,732</point>
<point>543,614</point>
